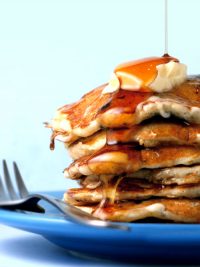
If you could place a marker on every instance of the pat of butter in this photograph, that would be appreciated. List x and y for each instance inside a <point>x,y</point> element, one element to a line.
<point>168,76</point>
<point>113,85</point>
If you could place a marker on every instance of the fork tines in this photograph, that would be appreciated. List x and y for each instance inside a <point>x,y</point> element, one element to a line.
<point>7,189</point>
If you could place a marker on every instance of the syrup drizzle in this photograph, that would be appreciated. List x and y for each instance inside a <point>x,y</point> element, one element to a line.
<point>143,69</point>
<point>166,28</point>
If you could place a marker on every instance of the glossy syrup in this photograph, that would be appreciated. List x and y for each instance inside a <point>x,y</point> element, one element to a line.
<point>125,101</point>
<point>166,27</point>
<point>143,69</point>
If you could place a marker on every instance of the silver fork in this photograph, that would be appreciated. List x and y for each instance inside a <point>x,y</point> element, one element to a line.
<point>23,200</point>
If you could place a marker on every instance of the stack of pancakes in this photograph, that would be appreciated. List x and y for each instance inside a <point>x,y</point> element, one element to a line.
<point>136,154</point>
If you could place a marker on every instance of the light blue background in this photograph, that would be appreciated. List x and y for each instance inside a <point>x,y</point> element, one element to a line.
<point>52,52</point>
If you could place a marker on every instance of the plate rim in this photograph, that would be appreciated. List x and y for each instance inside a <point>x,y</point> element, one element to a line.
<point>14,219</point>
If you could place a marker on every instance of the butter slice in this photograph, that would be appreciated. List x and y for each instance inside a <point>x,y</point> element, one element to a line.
<point>113,85</point>
<point>169,75</point>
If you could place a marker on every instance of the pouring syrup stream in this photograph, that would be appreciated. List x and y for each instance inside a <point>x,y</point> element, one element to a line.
<point>166,28</point>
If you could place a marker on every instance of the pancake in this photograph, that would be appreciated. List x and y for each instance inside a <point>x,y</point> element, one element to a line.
<point>131,189</point>
<point>124,108</point>
<point>79,119</point>
<point>174,175</point>
<point>120,159</point>
<point>164,105</point>
<point>177,210</point>
<point>87,146</point>
<point>151,134</point>
<point>135,144</point>
<point>129,108</point>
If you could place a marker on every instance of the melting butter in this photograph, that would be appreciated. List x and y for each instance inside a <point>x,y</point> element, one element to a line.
<point>168,76</point>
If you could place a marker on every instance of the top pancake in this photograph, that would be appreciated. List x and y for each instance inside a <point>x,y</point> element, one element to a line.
<point>125,108</point>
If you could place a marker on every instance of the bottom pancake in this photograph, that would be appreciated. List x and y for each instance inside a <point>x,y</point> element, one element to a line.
<point>177,210</point>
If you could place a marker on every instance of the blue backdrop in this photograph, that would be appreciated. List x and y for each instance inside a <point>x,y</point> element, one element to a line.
<point>52,52</point>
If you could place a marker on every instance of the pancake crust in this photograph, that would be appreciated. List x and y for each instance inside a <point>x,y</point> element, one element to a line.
<point>173,175</point>
<point>122,159</point>
<point>131,189</point>
<point>152,134</point>
<point>177,210</point>
<point>124,108</point>
<point>165,176</point>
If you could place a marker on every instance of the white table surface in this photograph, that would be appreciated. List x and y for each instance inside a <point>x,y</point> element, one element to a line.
<point>20,248</point>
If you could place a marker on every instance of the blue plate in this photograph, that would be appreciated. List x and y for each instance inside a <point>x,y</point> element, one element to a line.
<point>145,242</point>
